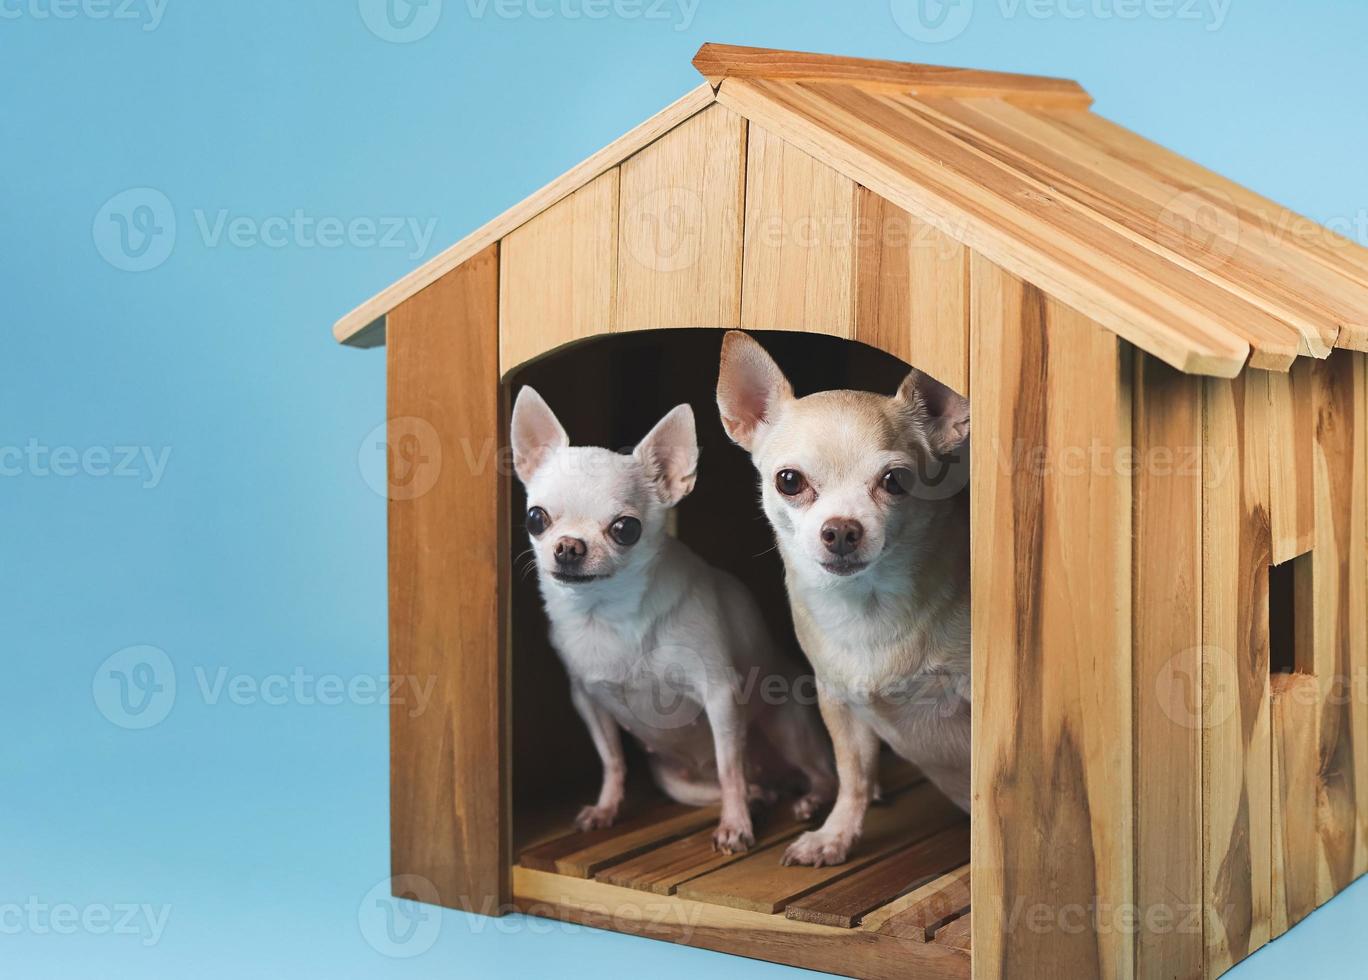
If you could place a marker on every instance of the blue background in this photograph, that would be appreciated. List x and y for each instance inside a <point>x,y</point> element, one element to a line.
<point>260,550</point>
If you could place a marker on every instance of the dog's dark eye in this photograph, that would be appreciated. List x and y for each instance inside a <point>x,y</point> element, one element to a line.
<point>626,531</point>
<point>897,481</point>
<point>790,483</point>
<point>538,521</point>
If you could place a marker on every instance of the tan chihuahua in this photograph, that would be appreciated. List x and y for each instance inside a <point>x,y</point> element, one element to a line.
<point>865,494</point>
<point>655,640</point>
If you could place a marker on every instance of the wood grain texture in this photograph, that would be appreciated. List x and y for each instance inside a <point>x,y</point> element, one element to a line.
<point>543,855</point>
<point>760,883</point>
<point>1358,607</point>
<point>718,61</point>
<point>663,869</point>
<point>1291,469</point>
<point>1237,745</point>
<point>369,318</point>
<point>1258,215</point>
<point>1053,810</point>
<point>800,241</point>
<point>1296,848</point>
<point>845,902</point>
<point>1185,228</point>
<point>1019,224</point>
<point>681,225</point>
<point>919,913</point>
<point>957,933</point>
<point>587,861</point>
<point>912,291</point>
<point>1335,623</point>
<point>449,786</point>
<point>848,952</point>
<point>557,275</point>
<point>1168,668</point>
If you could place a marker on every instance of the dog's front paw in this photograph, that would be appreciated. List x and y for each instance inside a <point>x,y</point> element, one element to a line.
<point>806,807</point>
<point>595,817</point>
<point>819,848</point>
<point>733,836</point>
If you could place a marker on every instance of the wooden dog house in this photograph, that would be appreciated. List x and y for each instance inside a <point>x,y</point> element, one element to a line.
<point>1169,499</point>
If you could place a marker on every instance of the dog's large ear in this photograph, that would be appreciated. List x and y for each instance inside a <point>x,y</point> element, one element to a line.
<point>941,414</point>
<point>751,390</point>
<point>536,433</point>
<point>670,453</point>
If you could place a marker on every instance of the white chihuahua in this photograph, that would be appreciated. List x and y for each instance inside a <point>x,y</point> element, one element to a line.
<point>863,496</point>
<point>656,641</point>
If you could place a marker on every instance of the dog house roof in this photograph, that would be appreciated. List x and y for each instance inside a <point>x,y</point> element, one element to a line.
<point>1183,263</point>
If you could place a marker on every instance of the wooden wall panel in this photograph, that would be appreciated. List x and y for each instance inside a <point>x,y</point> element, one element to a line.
<point>1336,624</point>
<point>799,247</point>
<point>1168,670</point>
<point>449,768</point>
<point>1291,488</point>
<point>1053,801</point>
<point>557,274</point>
<point>1295,767</point>
<point>912,291</point>
<point>1358,607</point>
<point>680,227</point>
<point>1237,750</point>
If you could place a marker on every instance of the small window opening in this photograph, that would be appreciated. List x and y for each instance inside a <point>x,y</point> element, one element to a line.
<point>1289,616</point>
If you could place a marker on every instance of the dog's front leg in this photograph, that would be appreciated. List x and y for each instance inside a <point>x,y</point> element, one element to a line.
<point>734,831</point>
<point>857,760</point>
<point>603,729</point>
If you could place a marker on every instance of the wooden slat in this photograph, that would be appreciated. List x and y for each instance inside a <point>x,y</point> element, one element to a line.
<point>718,61</point>
<point>368,318</point>
<point>663,869</point>
<point>1168,668</point>
<point>737,931</point>
<point>1237,747</point>
<point>1295,765</point>
<point>544,855</point>
<point>680,227</point>
<point>1335,623</point>
<point>1017,225</point>
<point>799,248</point>
<point>1291,470</point>
<point>556,281</point>
<point>760,883</point>
<point>449,784</point>
<point>919,913</point>
<point>957,933</point>
<point>1257,213</point>
<point>633,840</point>
<point>1276,280</point>
<point>845,902</point>
<point>912,291</point>
<point>1053,736</point>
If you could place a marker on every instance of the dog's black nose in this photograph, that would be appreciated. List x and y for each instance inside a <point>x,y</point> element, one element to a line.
<point>570,551</point>
<point>842,535</point>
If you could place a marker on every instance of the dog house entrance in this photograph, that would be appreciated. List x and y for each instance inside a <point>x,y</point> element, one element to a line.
<point>904,889</point>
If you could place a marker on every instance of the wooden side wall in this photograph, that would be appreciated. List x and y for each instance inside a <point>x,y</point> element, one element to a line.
<point>449,765</point>
<point>1053,817</point>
